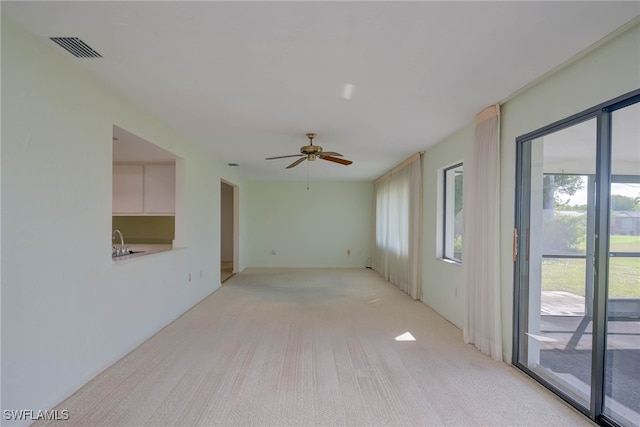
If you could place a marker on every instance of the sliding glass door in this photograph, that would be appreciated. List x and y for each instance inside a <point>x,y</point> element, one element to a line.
<point>622,360</point>
<point>558,258</point>
<point>577,264</point>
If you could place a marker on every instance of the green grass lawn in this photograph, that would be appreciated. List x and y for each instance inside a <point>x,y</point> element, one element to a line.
<point>616,244</point>
<point>624,244</point>
<point>569,275</point>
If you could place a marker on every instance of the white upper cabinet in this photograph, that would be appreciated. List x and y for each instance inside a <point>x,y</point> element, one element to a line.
<point>127,189</point>
<point>144,189</point>
<point>159,189</point>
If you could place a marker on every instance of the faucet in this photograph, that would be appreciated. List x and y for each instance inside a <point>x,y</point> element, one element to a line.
<point>121,251</point>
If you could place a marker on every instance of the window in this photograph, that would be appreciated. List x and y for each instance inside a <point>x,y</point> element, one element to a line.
<point>452,224</point>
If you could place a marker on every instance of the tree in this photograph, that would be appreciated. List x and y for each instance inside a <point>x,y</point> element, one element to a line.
<point>623,203</point>
<point>564,234</point>
<point>555,185</point>
<point>458,193</point>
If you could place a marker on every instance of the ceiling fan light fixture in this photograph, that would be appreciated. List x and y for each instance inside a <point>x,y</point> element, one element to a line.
<point>311,152</point>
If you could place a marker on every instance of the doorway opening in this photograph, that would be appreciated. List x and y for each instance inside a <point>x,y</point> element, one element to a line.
<point>228,230</point>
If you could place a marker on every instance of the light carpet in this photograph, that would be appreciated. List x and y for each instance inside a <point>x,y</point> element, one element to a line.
<point>312,347</point>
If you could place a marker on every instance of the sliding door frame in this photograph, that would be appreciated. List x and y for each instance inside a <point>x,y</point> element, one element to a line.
<point>602,113</point>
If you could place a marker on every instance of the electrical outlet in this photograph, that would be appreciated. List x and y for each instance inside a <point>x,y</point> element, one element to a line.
<point>348,252</point>
<point>455,291</point>
<point>273,252</point>
<point>189,276</point>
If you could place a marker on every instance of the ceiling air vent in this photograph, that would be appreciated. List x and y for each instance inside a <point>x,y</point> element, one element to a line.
<point>76,47</point>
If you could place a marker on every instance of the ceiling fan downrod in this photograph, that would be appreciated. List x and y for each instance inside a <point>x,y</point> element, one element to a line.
<point>311,136</point>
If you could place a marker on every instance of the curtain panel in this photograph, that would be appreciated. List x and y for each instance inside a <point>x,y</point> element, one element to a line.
<point>397,252</point>
<point>482,324</point>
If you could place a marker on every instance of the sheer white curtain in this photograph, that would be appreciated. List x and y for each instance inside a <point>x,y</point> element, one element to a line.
<point>398,211</point>
<point>482,325</point>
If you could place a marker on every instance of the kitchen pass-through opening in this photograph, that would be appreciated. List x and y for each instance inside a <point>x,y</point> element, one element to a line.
<point>147,197</point>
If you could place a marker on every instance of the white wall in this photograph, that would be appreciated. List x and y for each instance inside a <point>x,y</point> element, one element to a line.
<point>442,282</point>
<point>608,71</point>
<point>310,228</point>
<point>68,310</point>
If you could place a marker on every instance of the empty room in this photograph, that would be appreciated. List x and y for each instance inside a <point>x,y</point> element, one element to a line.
<point>321,213</point>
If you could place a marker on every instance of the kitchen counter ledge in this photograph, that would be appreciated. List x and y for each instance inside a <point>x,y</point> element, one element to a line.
<point>149,249</point>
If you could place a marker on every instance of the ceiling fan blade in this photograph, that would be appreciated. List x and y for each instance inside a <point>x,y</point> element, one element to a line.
<point>329,153</point>
<point>336,160</point>
<point>284,157</point>
<point>297,162</point>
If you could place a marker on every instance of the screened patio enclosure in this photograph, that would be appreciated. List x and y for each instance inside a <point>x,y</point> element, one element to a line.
<point>577,282</point>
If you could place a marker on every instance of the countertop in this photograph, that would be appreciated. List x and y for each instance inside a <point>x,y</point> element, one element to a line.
<point>147,249</point>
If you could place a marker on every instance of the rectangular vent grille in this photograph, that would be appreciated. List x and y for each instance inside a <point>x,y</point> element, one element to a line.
<point>76,47</point>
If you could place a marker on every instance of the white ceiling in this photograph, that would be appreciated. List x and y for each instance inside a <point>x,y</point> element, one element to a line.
<point>249,79</point>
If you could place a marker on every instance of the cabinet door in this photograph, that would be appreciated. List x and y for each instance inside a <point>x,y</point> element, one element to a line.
<point>127,189</point>
<point>159,189</point>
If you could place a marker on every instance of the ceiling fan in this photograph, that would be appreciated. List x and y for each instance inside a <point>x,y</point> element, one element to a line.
<point>311,152</point>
